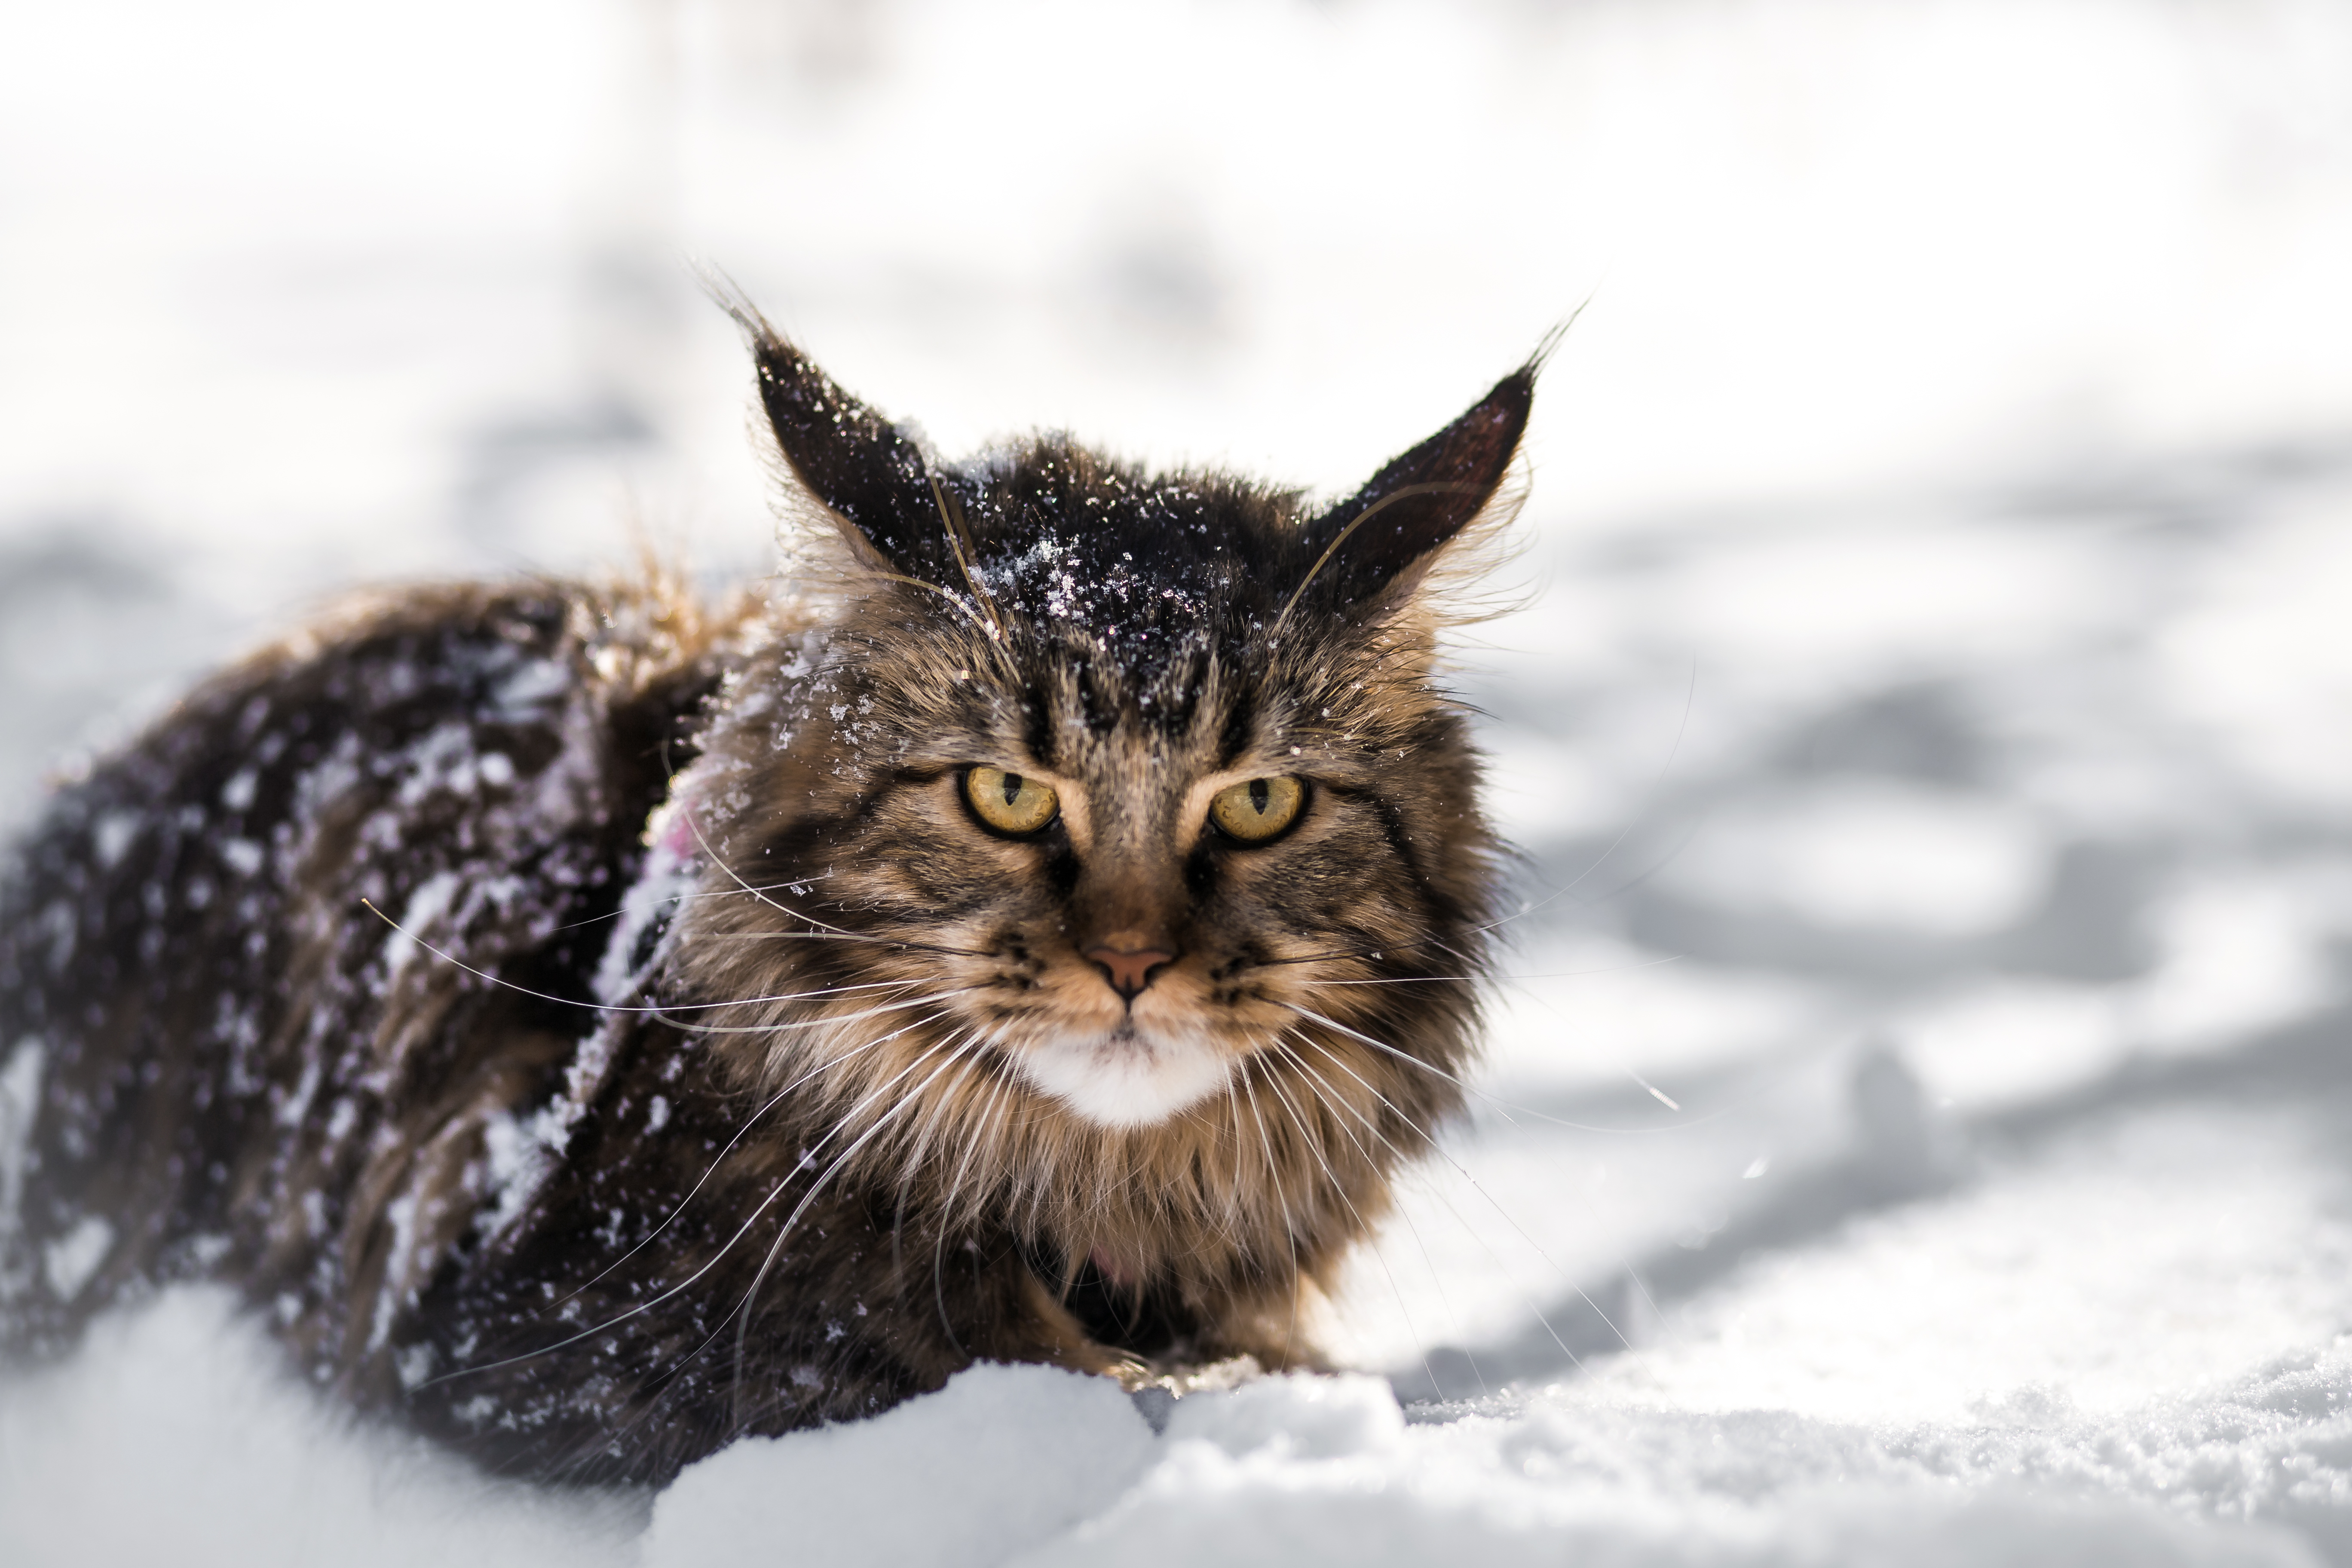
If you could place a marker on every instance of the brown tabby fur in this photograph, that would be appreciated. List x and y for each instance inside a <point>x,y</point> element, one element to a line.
<point>688,1084</point>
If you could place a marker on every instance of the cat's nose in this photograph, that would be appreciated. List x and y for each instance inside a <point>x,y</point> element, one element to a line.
<point>1129,970</point>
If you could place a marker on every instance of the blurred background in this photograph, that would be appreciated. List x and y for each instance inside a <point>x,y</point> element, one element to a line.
<point>1926,728</point>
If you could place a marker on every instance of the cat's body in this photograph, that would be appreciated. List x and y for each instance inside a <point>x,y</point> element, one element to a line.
<point>593,1027</point>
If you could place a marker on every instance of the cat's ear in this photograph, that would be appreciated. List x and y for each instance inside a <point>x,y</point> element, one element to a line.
<point>1386,535</point>
<point>870,475</point>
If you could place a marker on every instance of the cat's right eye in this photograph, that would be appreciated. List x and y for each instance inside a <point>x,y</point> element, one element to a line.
<point>1257,812</point>
<point>1008,802</point>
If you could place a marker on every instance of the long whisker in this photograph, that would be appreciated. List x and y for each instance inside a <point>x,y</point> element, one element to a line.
<point>1471,1230</point>
<point>742,1312</point>
<point>1315,1147</point>
<point>985,1134</point>
<point>911,1164</point>
<point>1504,1107</point>
<point>659,1009</point>
<point>896,944</point>
<point>972,1148</point>
<point>774,1194</point>
<point>1234,1205</point>
<point>740,1133</point>
<point>1222,1215</point>
<point>778,1028</point>
<point>909,1168</point>
<point>1362,1038</point>
<point>704,893</point>
<point>1380,949</point>
<point>1326,1094</point>
<point>1456,979</point>
<point>686,811</point>
<point>1526,1297</point>
<point>1478,1187</point>
<point>1659,1095</point>
<point>1289,1232</point>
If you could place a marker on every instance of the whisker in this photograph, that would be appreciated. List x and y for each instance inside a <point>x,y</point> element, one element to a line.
<point>947,1211</point>
<point>1363,1038</point>
<point>1464,1171</point>
<point>911,1167</point>
<point>685,813</point>
<point>1500,979</point>
<point>1315,1147</point>
<point>774,1194</point>
<point>1659,1095</point>
<point>897,944</point>
<point>1325,1093</point>
<point>660,1008</point>
<point>742,1312</point>
<point>995,1097</point>
<point>1222,1216</point>
<point>1504,1107</point>
<point>1234,1200</point>
<point>719,1158</point>
<point>1282,1200</point>
<point>778,1028</point>
<point>706,893</point>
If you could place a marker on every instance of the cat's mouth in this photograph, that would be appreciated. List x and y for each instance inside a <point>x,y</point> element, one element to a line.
<point>1129,1075</point>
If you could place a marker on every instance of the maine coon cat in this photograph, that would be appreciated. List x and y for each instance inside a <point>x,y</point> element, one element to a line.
<point>592,1024</point>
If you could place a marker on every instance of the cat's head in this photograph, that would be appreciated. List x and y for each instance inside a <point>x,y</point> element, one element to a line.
<point>1118,808</point>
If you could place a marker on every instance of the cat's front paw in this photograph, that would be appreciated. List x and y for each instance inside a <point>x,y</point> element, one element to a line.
<point>1200,1377</point>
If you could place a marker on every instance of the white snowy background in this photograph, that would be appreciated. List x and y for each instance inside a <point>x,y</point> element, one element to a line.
<point>1920,1121</point>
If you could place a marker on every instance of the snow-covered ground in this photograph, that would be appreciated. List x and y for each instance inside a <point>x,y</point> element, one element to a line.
<point>1920,1121</point>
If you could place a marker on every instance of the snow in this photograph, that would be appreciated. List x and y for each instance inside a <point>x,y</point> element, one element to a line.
<point>865,1492</point>
<point>1033,1466</point>
<point>72,1258</point>
<point>177,1438</point>
<point>1916,1119</point>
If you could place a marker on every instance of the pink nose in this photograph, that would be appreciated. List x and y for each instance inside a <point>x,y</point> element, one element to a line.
<point>1129,973</point>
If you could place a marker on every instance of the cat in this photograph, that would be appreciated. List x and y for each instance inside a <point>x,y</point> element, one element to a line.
<point>590,1025</point>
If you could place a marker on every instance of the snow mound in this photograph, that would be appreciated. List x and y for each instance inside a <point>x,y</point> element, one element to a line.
<point>174,1436</point>
<point>1324,1469</point>
<point>999,1459</point>
<point>175,1439</point>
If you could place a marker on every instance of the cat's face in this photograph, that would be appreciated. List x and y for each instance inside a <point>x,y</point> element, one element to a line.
<point>1129,950</point>
<point>1107,825</point>
<point>1123,886</point>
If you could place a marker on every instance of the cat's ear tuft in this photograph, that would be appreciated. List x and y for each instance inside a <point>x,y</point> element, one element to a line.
<point>1385,533</point>
<point>871,476</point>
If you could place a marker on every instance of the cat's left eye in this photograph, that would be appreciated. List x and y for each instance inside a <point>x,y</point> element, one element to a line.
<point>1008,802</point>
<point>1255,811</point>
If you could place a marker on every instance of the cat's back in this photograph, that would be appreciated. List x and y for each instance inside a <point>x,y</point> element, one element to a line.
<point>188,956</point>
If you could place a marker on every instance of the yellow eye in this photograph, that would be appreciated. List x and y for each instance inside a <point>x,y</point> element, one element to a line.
<point>1009,803</point>
<point>1256,811</point>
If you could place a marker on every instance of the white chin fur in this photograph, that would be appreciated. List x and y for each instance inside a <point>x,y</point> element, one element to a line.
<point>1122,1079</point>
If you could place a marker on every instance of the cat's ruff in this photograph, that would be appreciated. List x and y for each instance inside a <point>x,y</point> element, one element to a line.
<point>1038,932</point>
